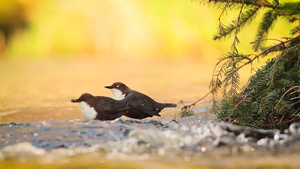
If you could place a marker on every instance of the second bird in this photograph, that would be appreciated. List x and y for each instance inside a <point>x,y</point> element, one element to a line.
<point>100,107</point>
<point>140,105</point>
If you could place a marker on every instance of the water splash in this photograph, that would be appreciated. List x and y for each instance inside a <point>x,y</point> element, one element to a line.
<point>140,138</point>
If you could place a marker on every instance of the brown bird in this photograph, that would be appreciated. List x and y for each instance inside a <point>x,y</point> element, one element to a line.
<point>140,105</point>
<point>100,107</point>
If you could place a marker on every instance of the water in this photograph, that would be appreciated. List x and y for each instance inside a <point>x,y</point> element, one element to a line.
<point>189,139</point>
<point>41,90</point>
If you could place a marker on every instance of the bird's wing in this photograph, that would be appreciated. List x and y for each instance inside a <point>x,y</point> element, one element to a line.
<point>142,103</point>
<point>109,105</point>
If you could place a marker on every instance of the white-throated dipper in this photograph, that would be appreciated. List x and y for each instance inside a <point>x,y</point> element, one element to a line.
<point>100,107</point>
<point>140,105</point>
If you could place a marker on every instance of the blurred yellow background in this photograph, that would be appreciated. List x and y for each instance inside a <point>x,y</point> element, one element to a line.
<point>52,51</point>
<point>130,28</point>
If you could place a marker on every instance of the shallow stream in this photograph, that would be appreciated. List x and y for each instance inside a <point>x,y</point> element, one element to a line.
<point>41,128</point>
<point>191,141</point>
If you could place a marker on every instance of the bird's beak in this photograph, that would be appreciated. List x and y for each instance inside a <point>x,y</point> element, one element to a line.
<point>75,100</point>
<point>108,87</point>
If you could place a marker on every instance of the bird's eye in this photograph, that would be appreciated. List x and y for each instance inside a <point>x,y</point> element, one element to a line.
<point>118,86</point>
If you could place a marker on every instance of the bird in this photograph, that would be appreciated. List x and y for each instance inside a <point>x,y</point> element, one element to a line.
<point>140,105</point>
<point>100,107</point>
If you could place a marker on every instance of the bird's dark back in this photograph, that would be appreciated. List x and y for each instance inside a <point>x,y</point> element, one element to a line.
<point>110,105</point>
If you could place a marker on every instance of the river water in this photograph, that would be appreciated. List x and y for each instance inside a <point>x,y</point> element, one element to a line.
<point>190,142</point>
<point>41,128</point>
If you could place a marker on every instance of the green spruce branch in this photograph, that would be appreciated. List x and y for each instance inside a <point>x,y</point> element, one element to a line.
<point>270,99</point>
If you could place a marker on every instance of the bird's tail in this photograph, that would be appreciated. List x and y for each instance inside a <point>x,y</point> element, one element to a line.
<point>75,100</point>
<point>169,105</point>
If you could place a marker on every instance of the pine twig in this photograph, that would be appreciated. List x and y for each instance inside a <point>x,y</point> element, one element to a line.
<point>294,87</point>
<point>276,124</point>
<point>255,3</point>
<point>232,88</point>
<point>240,102</point>
<point>266,50</point>
<point>267,39</point>
<point>188,107</point>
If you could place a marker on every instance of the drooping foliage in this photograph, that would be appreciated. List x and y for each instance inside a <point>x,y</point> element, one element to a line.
<point>271,98</point>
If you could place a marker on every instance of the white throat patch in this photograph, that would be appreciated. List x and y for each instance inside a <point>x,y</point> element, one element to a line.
<point>118,95</point>
<point>89,113</point>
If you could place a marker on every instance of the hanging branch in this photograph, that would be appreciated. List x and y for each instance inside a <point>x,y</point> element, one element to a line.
<point>186,108</point>
<point>215,84</point>
<point>266,100</point>
<point>259,3</point>
<point>267,50</point>
<point>267,22</point>
<point>243,19</point>
<point>234,75</point>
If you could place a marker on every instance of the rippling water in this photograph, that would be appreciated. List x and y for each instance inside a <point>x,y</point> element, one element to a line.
<point>188,139</point>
